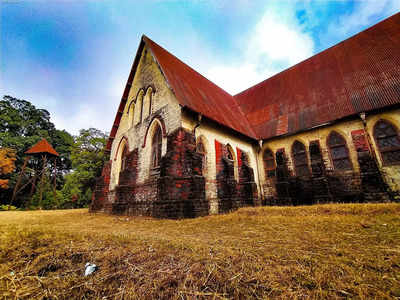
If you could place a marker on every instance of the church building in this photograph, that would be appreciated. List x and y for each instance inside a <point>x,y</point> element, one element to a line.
<point>325,130</point>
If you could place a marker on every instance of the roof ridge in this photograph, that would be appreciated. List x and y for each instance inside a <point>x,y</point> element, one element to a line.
<point>150,43</point>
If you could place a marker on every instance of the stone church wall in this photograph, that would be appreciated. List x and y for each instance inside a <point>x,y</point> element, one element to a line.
<point>150,102</point>
<point>163,105</point>
<point>231,172</point>
<point>229,183</point>
<point>368,180</point>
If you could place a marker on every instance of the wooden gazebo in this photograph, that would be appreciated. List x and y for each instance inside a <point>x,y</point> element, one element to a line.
<point>44,151</point>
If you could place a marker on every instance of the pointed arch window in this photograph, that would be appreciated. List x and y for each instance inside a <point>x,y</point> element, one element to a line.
<point>156,148</point>
<point>300,159</point>
<point>269,163</point>
<point>124,162</point>
<point>339,152</point>
<point>138,108</point>
<point>147,103</point>
<point>388,141</point>
<point>131,113</point>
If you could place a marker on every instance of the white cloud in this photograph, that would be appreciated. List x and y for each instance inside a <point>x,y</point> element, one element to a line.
<point>234,79</point>
<point>365,14</point>
<point>85,116</point>
<point>280,40</point>
<point>276,42</point>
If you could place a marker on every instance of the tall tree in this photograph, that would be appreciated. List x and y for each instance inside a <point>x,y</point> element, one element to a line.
<point>88,157</point>
<point>21,127</point>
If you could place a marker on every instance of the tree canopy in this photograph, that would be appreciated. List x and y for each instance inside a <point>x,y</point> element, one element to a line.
<point>80,162</point>
<point>87,157</point>
<point>7,159</point>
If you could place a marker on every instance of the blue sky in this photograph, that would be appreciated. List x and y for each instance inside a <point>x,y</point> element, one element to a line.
<point>73,57</point>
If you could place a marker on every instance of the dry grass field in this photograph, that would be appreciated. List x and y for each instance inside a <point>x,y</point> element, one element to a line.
<point>322,251</point>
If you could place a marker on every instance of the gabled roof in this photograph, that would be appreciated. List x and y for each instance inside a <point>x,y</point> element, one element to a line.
<point>42,147</point>
<point>199,94</point>
<point>357,75</point>
<point>191,89</point>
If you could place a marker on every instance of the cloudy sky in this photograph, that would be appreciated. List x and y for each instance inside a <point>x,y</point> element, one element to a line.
<point>73,57</point>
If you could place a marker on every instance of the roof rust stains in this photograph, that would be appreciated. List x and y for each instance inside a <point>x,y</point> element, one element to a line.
<point>42,147</point>
<point>357,75</point>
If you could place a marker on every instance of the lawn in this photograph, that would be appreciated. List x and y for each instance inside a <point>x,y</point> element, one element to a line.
<point>322,251</point>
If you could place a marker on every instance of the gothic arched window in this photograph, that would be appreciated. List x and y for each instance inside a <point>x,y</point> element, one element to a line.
<point>269,163</point>
<point>300,159</point>
<point>124,155</point>
<point>388,141</point>
<point>339,152</point>
<point>156,148</point>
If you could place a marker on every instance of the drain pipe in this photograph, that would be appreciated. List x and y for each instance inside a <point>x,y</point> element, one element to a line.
<point>199,118</point>
<point>260,143</point>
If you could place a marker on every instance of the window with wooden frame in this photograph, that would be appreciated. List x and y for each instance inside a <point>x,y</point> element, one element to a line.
<point>388,142</point>
<point>300,159</point>
<point>156,148</point>
<point>339,152</point>
<point>269,163</point>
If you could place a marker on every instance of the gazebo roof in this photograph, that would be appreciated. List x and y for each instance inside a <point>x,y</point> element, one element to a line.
<point>42,147</point>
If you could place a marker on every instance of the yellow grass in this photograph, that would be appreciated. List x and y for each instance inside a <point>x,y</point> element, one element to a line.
<point>322,251</point>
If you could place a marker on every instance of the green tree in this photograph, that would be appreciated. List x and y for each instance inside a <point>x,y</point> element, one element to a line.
<point>88,157</point>
<point>21,126</point>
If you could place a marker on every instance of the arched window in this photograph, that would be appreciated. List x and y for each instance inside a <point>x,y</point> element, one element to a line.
<point>124,163</point>
<point>388,141</point>
<point>138,108</point>
<point>269,163</point>
<point>339,152</point>
<point>147,104</point>
<point>124,155</point>
<point>131,114</point>
<point>300,159</point>
<point>156,148</point>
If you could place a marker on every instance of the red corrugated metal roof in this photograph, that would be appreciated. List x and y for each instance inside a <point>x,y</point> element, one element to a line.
<point>198,93</point>
<point>357,75</point>
<point>42,147</point>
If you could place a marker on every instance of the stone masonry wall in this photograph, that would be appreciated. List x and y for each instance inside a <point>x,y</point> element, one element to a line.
<point>364,183</point>
<point>181,184</point>
<point>100,194</point>
<point>176,190</point>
